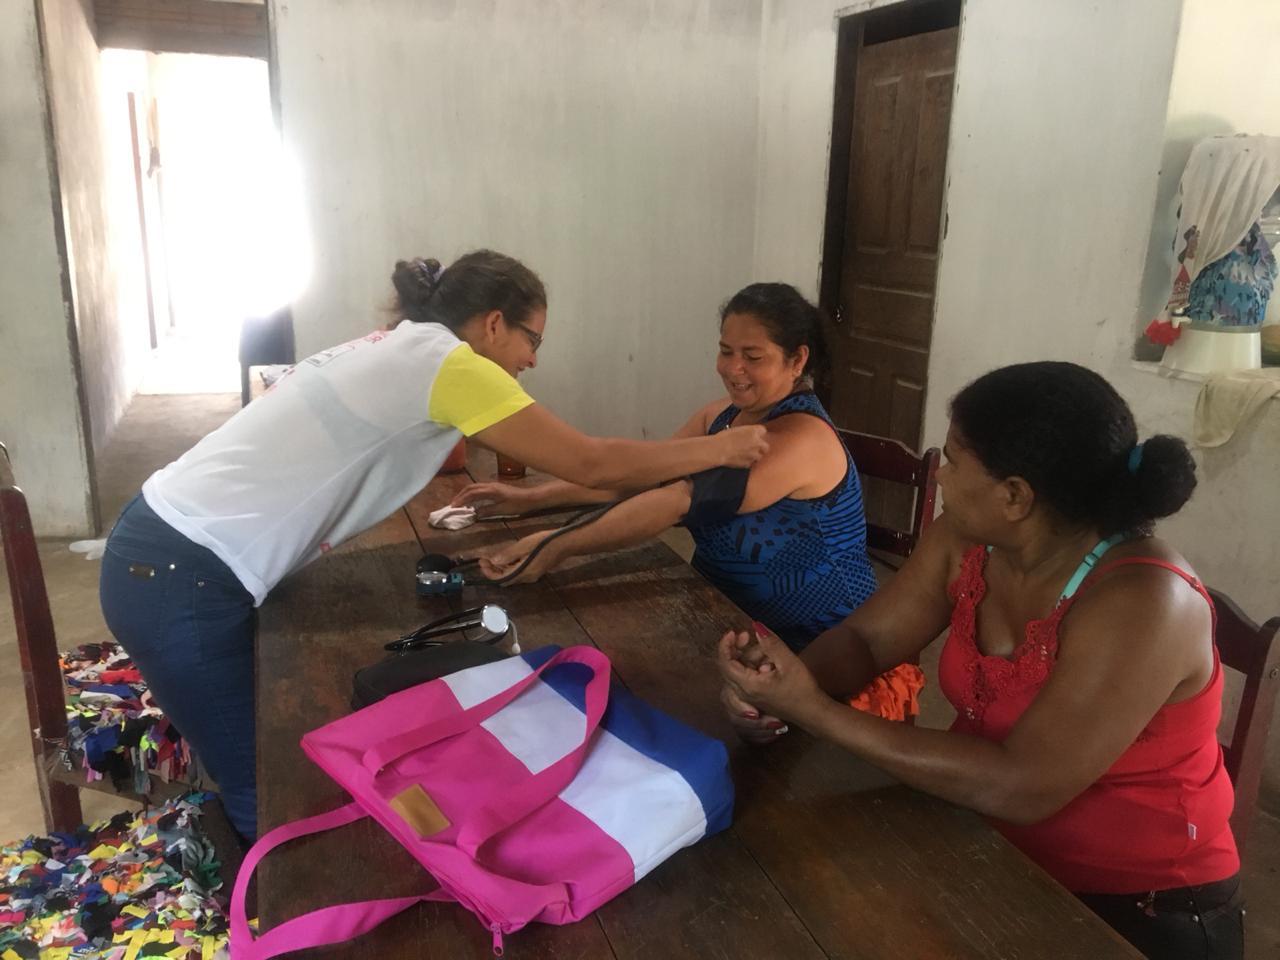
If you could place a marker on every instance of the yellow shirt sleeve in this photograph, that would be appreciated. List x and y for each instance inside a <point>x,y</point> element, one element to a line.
<point>472,393</point>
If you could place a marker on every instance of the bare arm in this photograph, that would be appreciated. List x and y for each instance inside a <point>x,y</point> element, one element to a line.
<point>891,626</point>
<point>505,498</point>
<point>799,449</point>
<point>633,521</point>
<point>1122,653</point>
<point>537,437</point>
<point>494,498</point>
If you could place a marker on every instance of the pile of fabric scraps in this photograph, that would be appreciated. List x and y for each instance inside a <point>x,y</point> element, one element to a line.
<point>137,885</point>
<point>114,728</point>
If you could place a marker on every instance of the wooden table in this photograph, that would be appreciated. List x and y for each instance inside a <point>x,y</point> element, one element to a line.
<point>825,857</point>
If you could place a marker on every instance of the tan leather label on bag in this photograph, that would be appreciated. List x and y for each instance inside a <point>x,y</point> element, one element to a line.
<point>418,810</point>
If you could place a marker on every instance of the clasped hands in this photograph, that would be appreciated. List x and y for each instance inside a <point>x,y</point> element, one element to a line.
<point>766,686</point>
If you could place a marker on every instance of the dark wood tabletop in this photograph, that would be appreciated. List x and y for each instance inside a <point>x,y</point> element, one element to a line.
<point>825,858</point>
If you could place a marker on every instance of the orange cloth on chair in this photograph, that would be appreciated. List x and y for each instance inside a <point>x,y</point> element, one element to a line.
<point>894,695</point>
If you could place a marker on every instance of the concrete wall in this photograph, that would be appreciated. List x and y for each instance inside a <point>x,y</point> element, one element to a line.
<point>611,146</point>
<point>100,213</point>
<point>40,414</point>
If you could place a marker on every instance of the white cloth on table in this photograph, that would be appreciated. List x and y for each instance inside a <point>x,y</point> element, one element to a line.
<point>452,518</point>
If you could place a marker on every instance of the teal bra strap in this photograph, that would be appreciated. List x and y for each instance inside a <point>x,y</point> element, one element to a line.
<point>1087,564</point>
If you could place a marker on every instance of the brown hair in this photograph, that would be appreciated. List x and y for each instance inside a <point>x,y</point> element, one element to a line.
<point>476,283</point>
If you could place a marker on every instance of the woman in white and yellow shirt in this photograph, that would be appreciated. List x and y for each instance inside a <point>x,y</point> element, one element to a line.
<point>340,442</point>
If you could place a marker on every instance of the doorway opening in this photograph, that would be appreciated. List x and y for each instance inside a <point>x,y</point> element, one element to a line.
<point>219,207</point>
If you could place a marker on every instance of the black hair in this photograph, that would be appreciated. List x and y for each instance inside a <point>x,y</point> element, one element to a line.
<point>790,320</point>
<point>1070,435</point>
<point>475,283</point>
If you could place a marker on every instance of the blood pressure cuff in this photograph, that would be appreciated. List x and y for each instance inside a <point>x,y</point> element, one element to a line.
<point>717,495</point>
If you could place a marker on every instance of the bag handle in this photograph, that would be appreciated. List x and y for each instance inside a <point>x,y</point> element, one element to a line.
<point>320,927</point>
<point>492,818</point>
<point>381,755</point>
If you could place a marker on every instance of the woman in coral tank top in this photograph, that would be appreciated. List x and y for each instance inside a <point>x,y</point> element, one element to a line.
<point>1080,660</point>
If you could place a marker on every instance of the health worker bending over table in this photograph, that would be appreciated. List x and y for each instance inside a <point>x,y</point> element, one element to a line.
<point>339,443</point>
<point>1080,660</point>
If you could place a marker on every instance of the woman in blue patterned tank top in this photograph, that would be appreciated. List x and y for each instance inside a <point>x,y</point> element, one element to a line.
<point>795,556</point>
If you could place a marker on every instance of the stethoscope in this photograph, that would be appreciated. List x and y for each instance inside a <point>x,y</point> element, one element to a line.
<point>490,618</point>
<point>438,573</point>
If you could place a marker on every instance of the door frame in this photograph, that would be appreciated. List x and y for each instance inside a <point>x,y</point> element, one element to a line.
<point>890,20</point>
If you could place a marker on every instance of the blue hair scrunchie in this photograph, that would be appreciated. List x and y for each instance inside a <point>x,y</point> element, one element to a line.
<point>1135,458</point>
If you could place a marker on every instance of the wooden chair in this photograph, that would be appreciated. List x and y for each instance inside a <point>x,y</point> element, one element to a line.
<point>895,462</point>
<point>37,650</point>
<point>1253,651</point>
<point>264,341</point>
<point>41,670</point>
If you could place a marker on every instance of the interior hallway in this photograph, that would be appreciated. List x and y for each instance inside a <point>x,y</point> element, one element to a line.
<point>157,429</point>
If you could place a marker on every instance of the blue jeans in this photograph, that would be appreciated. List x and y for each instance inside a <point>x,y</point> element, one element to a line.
<point>188,624</point>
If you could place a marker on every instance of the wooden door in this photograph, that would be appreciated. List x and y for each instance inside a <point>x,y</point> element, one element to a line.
<point>888,268</point>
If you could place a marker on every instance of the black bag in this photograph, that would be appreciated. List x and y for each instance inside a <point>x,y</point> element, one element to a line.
<point>412,667</point>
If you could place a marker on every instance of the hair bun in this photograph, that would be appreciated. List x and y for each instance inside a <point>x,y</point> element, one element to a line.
<point>427,273</point>
<point>415,281</point>
<point>1165,478</point>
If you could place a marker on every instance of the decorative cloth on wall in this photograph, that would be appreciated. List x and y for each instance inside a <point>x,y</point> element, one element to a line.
<point>1225,269</point>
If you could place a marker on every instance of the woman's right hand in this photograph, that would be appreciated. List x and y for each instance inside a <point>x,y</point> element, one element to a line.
<point>743,446</point>
<point>498,499</point>
<point>751,724</point>
<point>748,722</point>
<point>504,561</point>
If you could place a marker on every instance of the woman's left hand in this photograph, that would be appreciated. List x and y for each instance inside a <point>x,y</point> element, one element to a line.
<point>778,683</point>
<point>499,563</point>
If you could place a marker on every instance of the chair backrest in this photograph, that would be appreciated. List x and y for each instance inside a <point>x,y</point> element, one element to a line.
<point>37,645</point>
<point>264,341</point>
<point>893,461</point>
<point>1254,652</point>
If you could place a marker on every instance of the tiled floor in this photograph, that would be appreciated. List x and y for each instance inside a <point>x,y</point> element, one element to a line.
<point>157,429</point>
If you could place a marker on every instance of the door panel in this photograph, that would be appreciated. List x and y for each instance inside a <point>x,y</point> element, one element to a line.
<point>896,183</point>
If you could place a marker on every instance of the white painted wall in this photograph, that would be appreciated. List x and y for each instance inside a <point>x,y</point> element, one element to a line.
<point>797,84</point>
<point>611,146</point>
<point>40,418</point>
<point>104,246</point>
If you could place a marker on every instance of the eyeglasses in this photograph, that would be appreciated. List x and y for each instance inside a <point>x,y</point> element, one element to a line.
<point>535,338</point>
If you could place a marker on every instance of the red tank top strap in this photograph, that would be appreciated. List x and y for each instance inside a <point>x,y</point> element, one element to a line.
<point>1192,581</point>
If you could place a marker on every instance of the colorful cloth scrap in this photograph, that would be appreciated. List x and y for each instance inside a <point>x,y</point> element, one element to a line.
<point>114,728</point>
<point>137,885</point>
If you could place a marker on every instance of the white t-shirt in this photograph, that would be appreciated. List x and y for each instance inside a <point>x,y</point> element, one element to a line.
<point>340,442</point>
